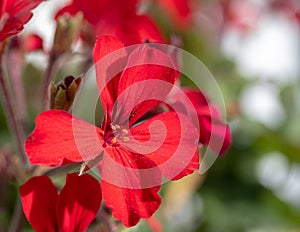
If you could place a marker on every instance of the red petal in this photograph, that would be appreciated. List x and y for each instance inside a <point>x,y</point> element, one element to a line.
<point>78,202</point>
<point>92,10</point>
<point>149,75</point>
<point>60,137</point>
<point>105,45</point>
<point>220,139</point>
<point>190,168</point>
<point>144,28</point>
<point>170,140</point>
<point>129,28</point>
<point>70,9</point>
<point>130,205</point>
<point>19,13</point>
<point>39,197</point>
<point>109,64</point>
<point>128,187</point>
<point>213,132</point>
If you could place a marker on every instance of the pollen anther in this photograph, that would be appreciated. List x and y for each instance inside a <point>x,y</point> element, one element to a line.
<point>125,139</point>
<point>114,140</point>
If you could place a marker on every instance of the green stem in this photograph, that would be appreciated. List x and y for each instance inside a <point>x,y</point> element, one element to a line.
<point>15,128</point>
<point>18,217</point>
<point>62,169</point>
<point>47,79</point>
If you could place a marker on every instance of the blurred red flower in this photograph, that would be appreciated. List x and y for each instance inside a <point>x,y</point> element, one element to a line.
<point>116,18</point>
<point>33,42</point>
<point>14,14</point>
<point>213,132</point>
<point>126,144</point>
<point>73,209</point>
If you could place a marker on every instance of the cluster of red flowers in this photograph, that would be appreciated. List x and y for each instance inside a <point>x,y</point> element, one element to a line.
<point>137,141</point>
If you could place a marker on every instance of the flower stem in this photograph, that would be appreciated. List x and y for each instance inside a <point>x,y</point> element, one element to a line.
<point>12,119</point>
<point>15,59</point>
<point>106,219</point>
<point>18,217</point>
<point>47,79</point>
<point>61,169</point>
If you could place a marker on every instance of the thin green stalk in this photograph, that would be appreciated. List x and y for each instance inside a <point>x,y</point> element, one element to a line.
<point>14,126</point>
<point>47,79</point>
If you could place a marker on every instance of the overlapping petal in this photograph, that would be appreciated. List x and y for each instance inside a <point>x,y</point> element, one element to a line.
<point>109,57</point>
<point>72,210</point>
<point>148,78</point>
<point>169,140</point>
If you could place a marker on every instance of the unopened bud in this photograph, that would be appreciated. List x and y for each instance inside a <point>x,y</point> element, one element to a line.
<point>63,94</point>
<point>67,31</point>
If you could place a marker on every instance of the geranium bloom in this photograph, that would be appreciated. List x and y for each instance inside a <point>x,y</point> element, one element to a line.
<point>73,209</point>
<point>213,132</point>
<point>14,14</point>
<point>116,18</point>
<point>133,152</point>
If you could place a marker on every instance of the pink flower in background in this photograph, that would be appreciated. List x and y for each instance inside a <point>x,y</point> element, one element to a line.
<point>290,8</point>
<point>242,15</point>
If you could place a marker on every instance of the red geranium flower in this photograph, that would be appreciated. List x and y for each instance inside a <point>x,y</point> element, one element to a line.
<point>71,210</point>
<point>213,132</point>
<point>135,152</point>
<point>116,18</point>
<point>14,14</point>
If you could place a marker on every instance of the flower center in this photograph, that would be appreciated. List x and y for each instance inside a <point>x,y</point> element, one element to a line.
<point>116,135</point>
